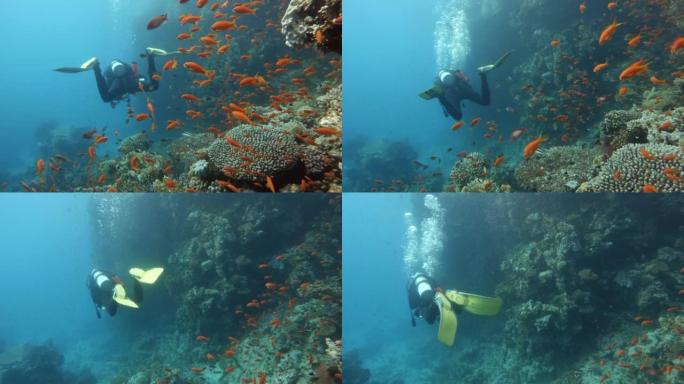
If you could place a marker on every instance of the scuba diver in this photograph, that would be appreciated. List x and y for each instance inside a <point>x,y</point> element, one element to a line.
<point>453,86</point>
<point>107,290</point>
<point>121,79</point>
<point>427,300</point>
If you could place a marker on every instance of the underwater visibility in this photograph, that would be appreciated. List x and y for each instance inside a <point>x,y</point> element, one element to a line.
<point>170,289</point>
<point>514,95</point>
<point>513,288</point>
<point>172,96</point>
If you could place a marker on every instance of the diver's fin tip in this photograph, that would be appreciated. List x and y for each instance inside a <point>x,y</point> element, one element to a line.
<point>149,276</point>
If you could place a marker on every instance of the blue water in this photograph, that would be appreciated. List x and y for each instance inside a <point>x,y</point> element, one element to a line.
<point>49,35</point>
<point>47,244</point>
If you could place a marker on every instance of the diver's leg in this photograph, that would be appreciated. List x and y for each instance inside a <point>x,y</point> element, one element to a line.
<point>112,309</point>
<point>469,93</point>
<point>153,84</point>
<point>137,292</point>
<point>485,89</point>
<point>101,84</point>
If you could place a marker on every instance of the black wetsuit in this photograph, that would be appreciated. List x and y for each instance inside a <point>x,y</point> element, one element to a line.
<point>113,88</point>
<point>101,286</point>
<point>422,306</point>
<point>452,96</point>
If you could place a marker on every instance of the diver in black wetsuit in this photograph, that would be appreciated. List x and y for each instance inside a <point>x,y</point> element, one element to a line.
<point>452,87</point>
<point>427,301</point>
<point>107,290</point>
<point>121,79</point>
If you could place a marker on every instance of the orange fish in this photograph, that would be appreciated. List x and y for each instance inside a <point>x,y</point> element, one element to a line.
<point>194,67</point>
<point>189,19</point>
<point>210,357</point>
<point>657,81</point>
<point>243,9</point>
<point>677,45</point>
<point>91,152</point>
<point>276,323</point>
<point>600,67</point>
<point>617,175</point>
<point>40,166</point>
<point>101,140</point>
<point>499,160</point>
<point>270,285</point>
<point>233,142</point>
<point>201,3</point>
<point>135,163</point>
<point>623,91</point>
<point>646,323</point>
<point>208,40</point>
<point>202,338</point>
<point>582,8</point>
<point>229,369</point>
<point>262,266</point>
<point>242,117</point>
<point>142,116</point>
<point>666,126</point>
<point>156,22</point>
<point>190,97</point>
<point>634,41</point>
<point>612,5</point>
<point>532,146</point>
<point>457,125</point>
<point>636,68</point>
<point>669,157</point>
<point>170,183</point>
<point>197,370</point>
<point>172,124</point>
<point>328,131</point>
<point>269,184</point>
<point>223,49</point>
<point>183,36</point>
<point>646,154</point>
<point>648,188</point>
<point>608,32</point>
<point>169,65</point>
<point>474,121</point>
<point>150,106</point>
<point>555,43</point>
<point>223,25</point>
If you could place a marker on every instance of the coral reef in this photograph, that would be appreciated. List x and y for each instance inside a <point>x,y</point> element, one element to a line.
<point>470,174</point>
<point>558,280</point>
<point>38,364</point>
<point>635,167</point>
<point>558,169</point>
<point>317,21</point>
<point>263,152</point>
<point>614,130</point>
<point>354,371</point>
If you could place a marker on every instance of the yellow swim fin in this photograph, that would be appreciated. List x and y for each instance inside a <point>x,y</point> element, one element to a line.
<point>476,304</point>
<point>146,277</point>
<point>431,93</point>
<point>120,297</point>
<point>447,320</point>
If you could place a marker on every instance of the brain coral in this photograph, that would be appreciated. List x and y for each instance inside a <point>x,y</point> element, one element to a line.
<point>634,165</point>
<point>263,152</point>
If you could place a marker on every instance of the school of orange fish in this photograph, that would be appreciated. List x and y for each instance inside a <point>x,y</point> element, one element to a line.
<point>580,98</point>
<point>216,92</point>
